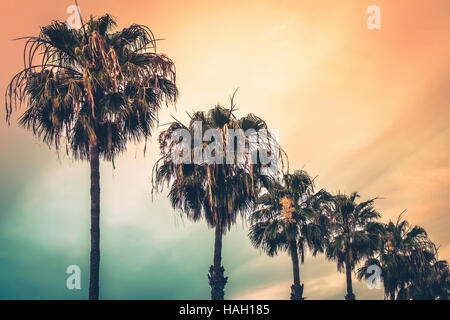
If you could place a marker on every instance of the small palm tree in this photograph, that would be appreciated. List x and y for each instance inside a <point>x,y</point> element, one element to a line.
<point>410,268</point>
<point>288,219</point>
<point>348,239</point>
<point>430,279</point>
<point>437,281</point>
<point>93,90</point>
<point>215,191</point>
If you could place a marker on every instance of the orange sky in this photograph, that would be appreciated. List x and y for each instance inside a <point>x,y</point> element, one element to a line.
<point>364,110</point>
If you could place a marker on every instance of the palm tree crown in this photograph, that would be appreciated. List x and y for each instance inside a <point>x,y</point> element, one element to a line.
<point>92,84</point>
<point>410,268</point>
<point>213,191</point>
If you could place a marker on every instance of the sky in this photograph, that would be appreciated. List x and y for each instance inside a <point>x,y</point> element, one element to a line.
<point>362,110</point>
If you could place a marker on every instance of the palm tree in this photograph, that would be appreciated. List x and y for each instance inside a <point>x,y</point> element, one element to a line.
<point>348,240</point>
<point>437,281</point>
<point>93,90</point>
<point>288,219</point>
<point>410,268</point>
<point>215,191</point>
<point>430,279</point>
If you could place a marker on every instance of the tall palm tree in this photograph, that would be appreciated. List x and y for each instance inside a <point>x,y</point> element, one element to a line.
<point>213,191</point>
<point>349,240</point>
<point>287,218</point>
<point>92,89</point>
<point>410,268</point>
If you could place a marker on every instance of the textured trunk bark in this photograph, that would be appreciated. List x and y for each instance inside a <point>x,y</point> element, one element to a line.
<point>95,221</point>
<point>348,273</point>
<point>295,266</point>
<point>392,295</point>
<point>217,281</point>
<point>296,288</point>
<point>218,247</point>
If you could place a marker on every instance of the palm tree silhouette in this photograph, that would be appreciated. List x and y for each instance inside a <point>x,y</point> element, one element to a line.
<point>348,239</point>
<point>410,268</point>
<point>93,90</point>
<point>288,219</point>
<point>210,190</point>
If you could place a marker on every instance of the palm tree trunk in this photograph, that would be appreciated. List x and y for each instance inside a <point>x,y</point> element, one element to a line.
<point>218,247</point>
<point>392,295</point>
<point>348,273</point>
<point>296,288</point>
<point>95,221</point>
<point>217,281</point>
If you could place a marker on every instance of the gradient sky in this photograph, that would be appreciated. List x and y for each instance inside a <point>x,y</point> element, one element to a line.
<point>361,110</point>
